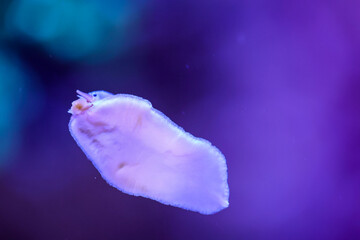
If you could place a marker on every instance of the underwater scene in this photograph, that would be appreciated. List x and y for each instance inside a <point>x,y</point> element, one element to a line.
<point>179,120</point>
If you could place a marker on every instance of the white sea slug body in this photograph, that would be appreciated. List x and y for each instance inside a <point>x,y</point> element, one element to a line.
<point>140,151</point>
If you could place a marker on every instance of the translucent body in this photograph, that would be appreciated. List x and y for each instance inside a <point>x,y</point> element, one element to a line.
<point>139,151</point>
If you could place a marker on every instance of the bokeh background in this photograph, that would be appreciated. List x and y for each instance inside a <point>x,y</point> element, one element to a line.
<point>274,84</point>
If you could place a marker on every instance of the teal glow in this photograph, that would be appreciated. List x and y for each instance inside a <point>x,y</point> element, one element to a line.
<point>72,29</point>
<point>39,19</point>
<point>12,81</point>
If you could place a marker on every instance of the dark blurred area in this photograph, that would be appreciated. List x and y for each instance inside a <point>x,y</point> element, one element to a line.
<point>275,85</point>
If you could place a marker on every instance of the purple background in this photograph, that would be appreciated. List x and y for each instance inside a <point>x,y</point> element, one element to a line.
<point>275,85</point>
